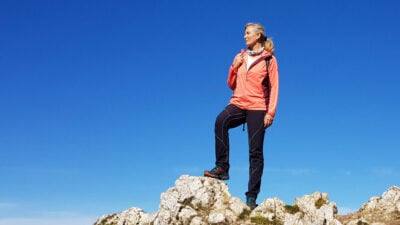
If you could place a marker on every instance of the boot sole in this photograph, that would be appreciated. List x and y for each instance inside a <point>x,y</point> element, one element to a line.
<point>208,174</point>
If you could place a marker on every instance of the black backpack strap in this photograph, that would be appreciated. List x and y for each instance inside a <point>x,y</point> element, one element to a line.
<point>267,60</point>
<point>266,79</point>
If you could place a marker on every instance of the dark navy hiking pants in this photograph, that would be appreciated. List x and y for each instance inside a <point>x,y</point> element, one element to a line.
<point>231,117</point>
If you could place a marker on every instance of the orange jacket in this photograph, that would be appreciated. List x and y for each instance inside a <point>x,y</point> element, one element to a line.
<point>248,91</point>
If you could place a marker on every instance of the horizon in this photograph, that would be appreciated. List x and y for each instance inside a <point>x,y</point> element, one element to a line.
<point>105,104</point>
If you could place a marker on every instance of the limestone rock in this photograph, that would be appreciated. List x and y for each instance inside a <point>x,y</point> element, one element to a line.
<point>272,209</point>
<point>388,203</point>
<point>193,200</point>
<point>308,210</point>
<point>130,216</point>
<point>383,210</point>
<point>207,201</point>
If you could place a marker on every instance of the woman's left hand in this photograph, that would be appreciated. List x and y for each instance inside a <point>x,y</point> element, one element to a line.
<point>268,120</point>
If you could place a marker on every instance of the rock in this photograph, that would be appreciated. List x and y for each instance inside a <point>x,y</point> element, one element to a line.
<point>193,200</point>
<point>383,210</point>
<point>130,216</point>
<point>207,201</point>
<point>317,209</point>
<point>272,208</point>
<point>388,203</point>
<point>310,209</point>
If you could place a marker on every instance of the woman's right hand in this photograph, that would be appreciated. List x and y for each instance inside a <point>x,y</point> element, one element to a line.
<point>237,62</point>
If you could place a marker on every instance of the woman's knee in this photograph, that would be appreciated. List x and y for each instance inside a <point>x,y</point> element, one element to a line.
<point>219,121</point>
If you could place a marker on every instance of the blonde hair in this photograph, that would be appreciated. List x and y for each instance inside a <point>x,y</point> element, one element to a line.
<point>268,43</point>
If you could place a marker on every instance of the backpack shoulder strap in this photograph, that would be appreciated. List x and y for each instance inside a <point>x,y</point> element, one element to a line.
<point>267,60</point>
<point>266,79</point>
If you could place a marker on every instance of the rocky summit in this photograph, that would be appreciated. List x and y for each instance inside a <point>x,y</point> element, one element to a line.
<point>206,201</point>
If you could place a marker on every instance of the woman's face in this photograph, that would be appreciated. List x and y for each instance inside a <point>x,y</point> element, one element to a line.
<point>251,36</point>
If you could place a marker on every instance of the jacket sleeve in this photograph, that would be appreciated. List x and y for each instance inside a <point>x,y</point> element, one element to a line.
<point>232,75</point>
<point>274,82</point>
<point>232,78</point>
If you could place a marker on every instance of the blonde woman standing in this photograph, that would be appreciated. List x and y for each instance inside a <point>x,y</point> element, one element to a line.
<point>253,77</point>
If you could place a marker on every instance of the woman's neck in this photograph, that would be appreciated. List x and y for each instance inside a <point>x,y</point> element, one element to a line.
<point>255,47</point>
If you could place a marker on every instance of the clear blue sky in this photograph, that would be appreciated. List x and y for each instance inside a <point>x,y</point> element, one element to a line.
<point>104,104</point>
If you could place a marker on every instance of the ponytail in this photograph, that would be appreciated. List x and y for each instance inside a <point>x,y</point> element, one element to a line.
<point>269,45</point>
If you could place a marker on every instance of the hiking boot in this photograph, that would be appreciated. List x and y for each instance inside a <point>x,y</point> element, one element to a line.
<point>251,202</point>
<point>218,173</point>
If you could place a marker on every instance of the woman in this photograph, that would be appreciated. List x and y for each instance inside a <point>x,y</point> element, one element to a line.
<point>253,77</point>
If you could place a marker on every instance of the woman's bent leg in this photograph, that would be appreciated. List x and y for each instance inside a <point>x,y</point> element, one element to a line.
<point>230,117</point>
